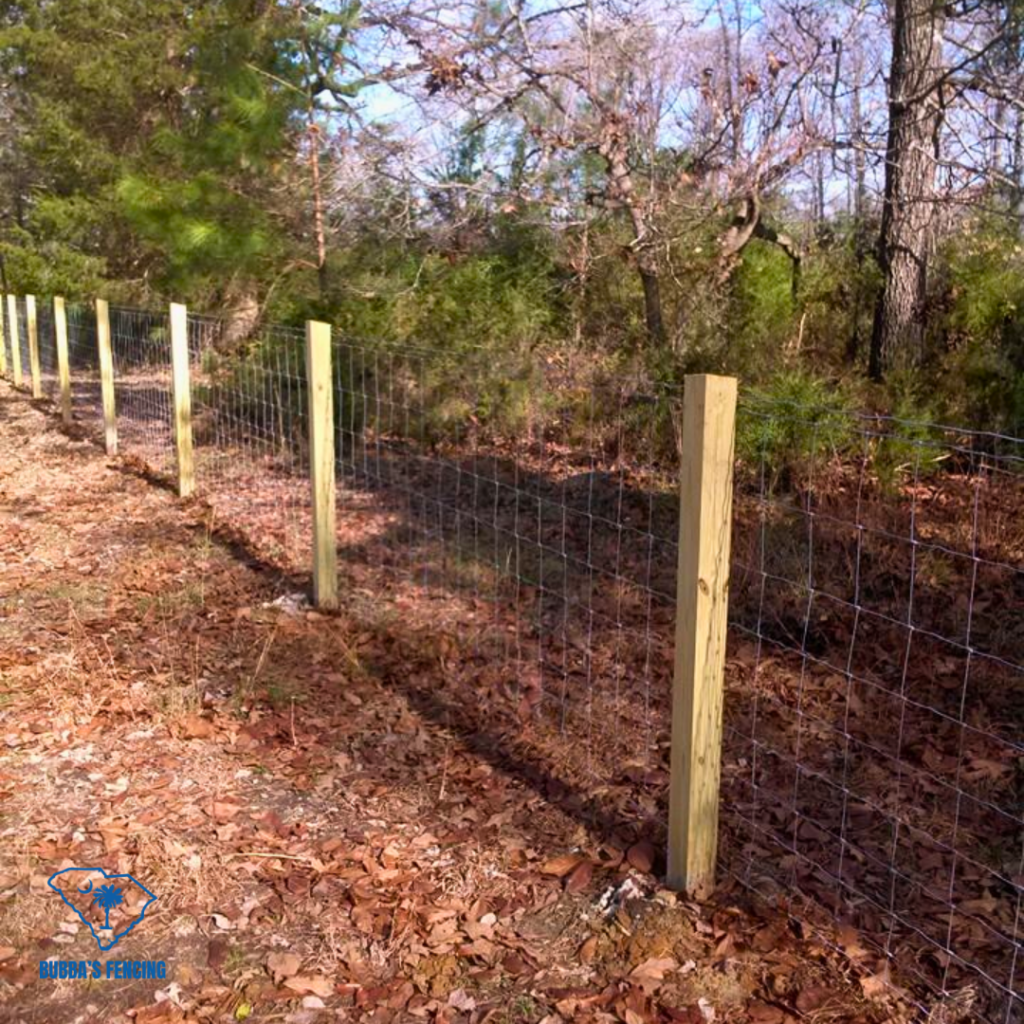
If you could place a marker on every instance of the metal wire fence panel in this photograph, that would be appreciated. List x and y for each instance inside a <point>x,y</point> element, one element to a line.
<point>83,360</point>
<point>875,726</point>
<point>141,344</point>
<point>542,535</point>
<point>47,349</point>
<point>8,370</point>
<point>249,433</point>
<point>5,338</point>
<point>23,348</point>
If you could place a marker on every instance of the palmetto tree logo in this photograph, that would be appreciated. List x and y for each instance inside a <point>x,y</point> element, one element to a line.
<point>108,897</point>
<point>85,889</point>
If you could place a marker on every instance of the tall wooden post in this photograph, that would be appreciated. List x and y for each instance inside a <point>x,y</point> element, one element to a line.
<point>321,463</point>
<point>60,331</point>
<point>106,375</point>
<point>705,524</point>
<point>12,324</point>
<point>3,341</point>
<point>32,326</point>
<point>182,400</point>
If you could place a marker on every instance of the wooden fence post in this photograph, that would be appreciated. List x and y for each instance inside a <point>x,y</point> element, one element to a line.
<point>3,341</point>
<point>12,324</point>
<point>321,463</point>
<point>60,330</point>
<point>32,325</point>
<point>106,374</point>
<point>182,400</point>
<point>705,525</point>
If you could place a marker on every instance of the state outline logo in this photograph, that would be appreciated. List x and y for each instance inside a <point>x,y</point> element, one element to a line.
<point>117,938</point>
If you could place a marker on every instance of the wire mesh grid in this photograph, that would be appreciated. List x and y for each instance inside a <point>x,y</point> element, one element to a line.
<point>6,362</point>
<point>873,763</point>
<point>540,537</point>
<point>874,755</point>
<point>83,362</point>
<point>22,340</point>
<point>249,428</point>
<point>47,341</point>
<point>141,345</point>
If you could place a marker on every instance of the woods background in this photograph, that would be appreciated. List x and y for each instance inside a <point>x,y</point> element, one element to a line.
<point>810,195</point>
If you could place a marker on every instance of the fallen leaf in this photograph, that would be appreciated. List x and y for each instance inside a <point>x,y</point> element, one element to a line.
<point>641,856</point>
<point>580,877</point>
<point>764,1013</point>
<point>216,954</point>
<point>283,965</point>
<point>195,727</point>
<point>460,999</point>
<point>651,973</point>
<point>810,999</point>
<point>877,985</point>
<point>223,811</point>
<point>849,939</point>
<point>315,983</point>
<point>559,867</point>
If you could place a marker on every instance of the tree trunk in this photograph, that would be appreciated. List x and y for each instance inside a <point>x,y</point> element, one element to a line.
<point>1017,199</point>
<point>318,203</point>
<point>240,319</point>
<point>915,118</point>
<point>622,193</point>
<point>649,279</point>
<point>861,240</point>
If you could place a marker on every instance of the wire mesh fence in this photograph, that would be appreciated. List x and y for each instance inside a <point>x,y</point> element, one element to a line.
<point>518,532</point>
<point>249,432</point>
<point>874,762</point>
<point>141,345</point>
<point>22,342</point>
<point>542,539</point>
<point>83,361</point>
<point>876,747</point>
<point>6,359</point>
<point>47,341</point>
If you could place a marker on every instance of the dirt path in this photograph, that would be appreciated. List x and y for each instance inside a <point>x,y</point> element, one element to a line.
<point>321,844</point>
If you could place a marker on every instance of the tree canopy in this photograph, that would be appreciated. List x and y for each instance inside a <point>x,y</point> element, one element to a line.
<point>836,188</point>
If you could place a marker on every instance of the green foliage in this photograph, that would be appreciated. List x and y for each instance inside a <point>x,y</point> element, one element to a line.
<point>762,311</point>
<point>157,150</point>
<point>202,193</point>
<point>985,329</point>
<point>910,446</point>
<point>792,423</point>
<point>50,268</point>
<point>164,138</point>
<point>460,338</point>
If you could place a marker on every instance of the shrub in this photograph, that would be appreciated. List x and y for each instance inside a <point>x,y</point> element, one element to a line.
<point>791,424</point>
<point>910,444</point>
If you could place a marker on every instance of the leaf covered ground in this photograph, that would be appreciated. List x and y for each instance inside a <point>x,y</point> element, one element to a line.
<point>324,842</point>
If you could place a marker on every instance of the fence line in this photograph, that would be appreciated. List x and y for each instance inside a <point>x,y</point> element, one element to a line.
<point>872,758</point>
